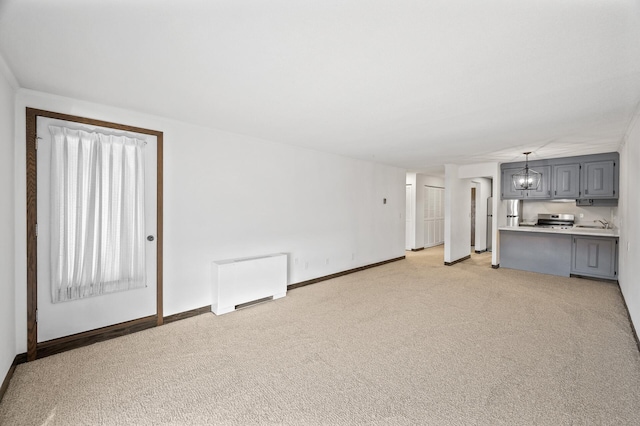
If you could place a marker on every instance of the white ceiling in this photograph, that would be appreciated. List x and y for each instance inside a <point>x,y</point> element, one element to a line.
<point>414,84</point>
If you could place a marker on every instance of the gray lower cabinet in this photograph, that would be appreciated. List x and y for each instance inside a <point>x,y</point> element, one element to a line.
<point>560,254</point>
<point>595,257</point>
<point>545,253</point>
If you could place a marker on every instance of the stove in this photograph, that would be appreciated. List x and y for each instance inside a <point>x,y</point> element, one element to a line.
<point>555,221</point>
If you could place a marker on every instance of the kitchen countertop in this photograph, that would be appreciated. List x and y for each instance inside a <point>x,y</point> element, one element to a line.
<point>592,232</point>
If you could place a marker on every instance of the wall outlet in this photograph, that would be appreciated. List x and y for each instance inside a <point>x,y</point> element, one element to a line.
<point>581,215</point>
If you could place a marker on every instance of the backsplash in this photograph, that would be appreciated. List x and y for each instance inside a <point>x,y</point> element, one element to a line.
<point>531,209</point>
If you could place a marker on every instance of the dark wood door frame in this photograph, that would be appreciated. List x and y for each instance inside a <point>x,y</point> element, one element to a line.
<point>473,217</point>
<point>37,350</point>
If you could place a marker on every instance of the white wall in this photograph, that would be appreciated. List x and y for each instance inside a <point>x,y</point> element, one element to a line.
<point>457,212</point>
<point>628,208</point>
<point>7,281</point>
<point>228,196</point>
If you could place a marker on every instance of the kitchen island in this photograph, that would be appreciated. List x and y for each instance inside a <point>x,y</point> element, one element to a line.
<point>587,252</point>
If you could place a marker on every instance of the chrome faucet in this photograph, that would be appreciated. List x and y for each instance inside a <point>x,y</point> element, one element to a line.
<point>605,224</point>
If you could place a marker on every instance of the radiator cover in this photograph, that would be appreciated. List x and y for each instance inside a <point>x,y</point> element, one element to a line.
<point>239,281</point>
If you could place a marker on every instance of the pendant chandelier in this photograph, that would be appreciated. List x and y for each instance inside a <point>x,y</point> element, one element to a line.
<point>526,178</point>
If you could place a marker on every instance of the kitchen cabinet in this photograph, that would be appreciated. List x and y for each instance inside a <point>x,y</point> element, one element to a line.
<point>566,181</point>
<point>544,189</point>
<point>509,192</point>
<point>591,180</point>
<point>536,252</point>
<point>599,179</point>
<point>595,257</point>
<point>559,252</point>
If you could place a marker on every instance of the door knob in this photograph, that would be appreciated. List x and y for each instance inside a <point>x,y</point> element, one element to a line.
<point>150,238</point>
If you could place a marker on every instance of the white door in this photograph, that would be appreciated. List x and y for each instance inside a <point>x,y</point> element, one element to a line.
<point>409,223</point>
<point>433,216</point>
<point>76,316</point>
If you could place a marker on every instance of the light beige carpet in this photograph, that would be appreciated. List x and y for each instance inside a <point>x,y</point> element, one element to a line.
<point>412,342</point>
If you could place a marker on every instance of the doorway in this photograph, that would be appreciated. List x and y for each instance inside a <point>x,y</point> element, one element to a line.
<point>409,233</point>
<point>83,321</point>
<point>473,217</point>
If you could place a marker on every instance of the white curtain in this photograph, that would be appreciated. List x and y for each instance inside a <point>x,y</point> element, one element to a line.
<point>97,214</point>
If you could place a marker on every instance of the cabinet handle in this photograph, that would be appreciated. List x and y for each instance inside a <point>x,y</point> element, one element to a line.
<point>549,192</point>
<point>586,191</point>
<point>555,192</point>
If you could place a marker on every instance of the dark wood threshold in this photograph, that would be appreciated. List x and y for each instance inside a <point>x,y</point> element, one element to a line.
<point>187,314</point>
<point>626,308</point>
<point>462,259</point>
<point>495,266</point>
<point>56,346</point>
<point>339,274</point>
<point>418,249</point>
<point>481,251</point>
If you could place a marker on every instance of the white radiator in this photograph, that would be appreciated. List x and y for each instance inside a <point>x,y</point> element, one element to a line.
<point>239,281</point>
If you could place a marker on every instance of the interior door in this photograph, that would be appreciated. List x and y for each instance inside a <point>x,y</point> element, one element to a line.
<point>433,216</point>
<point>76,316</point>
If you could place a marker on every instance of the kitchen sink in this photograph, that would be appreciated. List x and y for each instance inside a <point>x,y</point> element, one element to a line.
<point>594,230</point>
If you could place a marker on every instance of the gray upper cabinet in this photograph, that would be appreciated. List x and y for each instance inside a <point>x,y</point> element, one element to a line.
<point>589,179</point>
<point>510,192</point>
<point>595,257</point>
<point>544,189</point>
<point>599,179</point>
<point>566,181</point>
